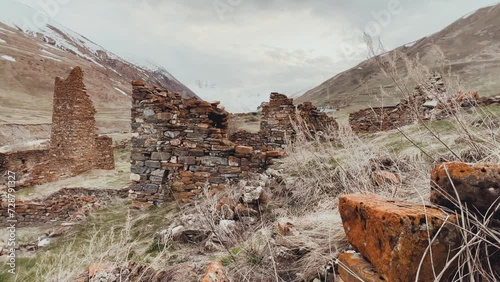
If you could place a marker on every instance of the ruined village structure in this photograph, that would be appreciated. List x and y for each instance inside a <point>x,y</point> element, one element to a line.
<point>74,147</point>
<point>427,102</point>
<point>182,145</point>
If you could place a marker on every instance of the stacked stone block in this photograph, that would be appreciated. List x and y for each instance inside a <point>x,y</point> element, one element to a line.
<point>75,146</point>
<point>181,146</point>
<point>278,117</point>
<point>105,156</point>
<point>248,139</point>
<point>313,120</point>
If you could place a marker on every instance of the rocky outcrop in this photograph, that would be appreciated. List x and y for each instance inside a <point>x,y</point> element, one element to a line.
<point>397,237</point>
<point>477,186</point>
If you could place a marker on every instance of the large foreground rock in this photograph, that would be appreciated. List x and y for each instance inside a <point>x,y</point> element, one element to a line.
<point>477,185</point>
<point>394,236</point>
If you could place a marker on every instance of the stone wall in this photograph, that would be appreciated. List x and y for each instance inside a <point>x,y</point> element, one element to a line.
<point>105,156</point>
<point>73,125</point>
<point>75,146</point>
<point>21,162</point>
<point>64,205</point>
<point>378,119</point>
<point>427,102</point>
<point>181,146</point>
<point>245,138</point>
<point>278,117</point>
<point>281,119</point>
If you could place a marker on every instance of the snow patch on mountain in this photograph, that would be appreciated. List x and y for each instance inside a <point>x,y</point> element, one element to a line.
<point>8,58</point>
<point>50,58</point>
<point>121,91</point>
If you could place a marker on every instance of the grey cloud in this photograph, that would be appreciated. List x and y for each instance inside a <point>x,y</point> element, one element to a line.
<point>259,45</point>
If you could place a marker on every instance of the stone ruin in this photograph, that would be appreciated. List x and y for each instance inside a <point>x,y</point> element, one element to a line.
<point>281,120</point>
<point>402,241</point>
<point>181,146</point>
<point>427,102</point>
<point>74,147</point>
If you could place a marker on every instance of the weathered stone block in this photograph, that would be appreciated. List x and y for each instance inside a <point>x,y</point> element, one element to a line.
<point>149,113</point>
<point>135,177</point>
<point>138,169</point>
<point>394,236</point>
<point>213,161</point>
<point>153,164</point>
<point>477,185</point>
<point>151,188</point>
<point>138,157</point>
<point>189,160</point>
<point>244,150</point>
<point>215,273</point>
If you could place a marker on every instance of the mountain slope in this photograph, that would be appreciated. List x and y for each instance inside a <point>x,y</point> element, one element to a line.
<point>471,45</point>
<point>31,57</point>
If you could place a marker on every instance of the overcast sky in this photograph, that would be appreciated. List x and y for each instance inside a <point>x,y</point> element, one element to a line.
<point>238,51</point>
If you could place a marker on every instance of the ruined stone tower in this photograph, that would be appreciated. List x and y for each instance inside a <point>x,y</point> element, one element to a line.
<point>73,137</point>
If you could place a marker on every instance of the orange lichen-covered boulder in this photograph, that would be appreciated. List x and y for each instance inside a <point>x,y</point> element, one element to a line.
<point>477,185</point>
<point>215,273</point>
<point>394,236</point>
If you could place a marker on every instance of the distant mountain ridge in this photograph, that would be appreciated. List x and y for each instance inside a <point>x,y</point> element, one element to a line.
<point>470,44</point>
<point>32,56</point>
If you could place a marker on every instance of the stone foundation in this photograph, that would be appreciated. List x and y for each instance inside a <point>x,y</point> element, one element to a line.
<point>64,205</point>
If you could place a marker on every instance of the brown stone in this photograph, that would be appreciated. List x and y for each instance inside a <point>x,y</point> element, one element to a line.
<point>285,228</point>
<point>275,154</point>
<point>394,235</point>
<point>354,268</point>
<point>138,83</point>
<point>477,185</point>
<point>215,273</point>
<point>244,150</point>
<point>385,177</point>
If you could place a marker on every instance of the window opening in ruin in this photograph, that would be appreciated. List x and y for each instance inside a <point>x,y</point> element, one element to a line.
<point>218,121</point>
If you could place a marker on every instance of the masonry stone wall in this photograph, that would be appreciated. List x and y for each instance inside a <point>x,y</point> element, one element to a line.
<point>278,116</point>
<point>281,120</point>
<point>181,146</point>
<point>427,102</point>
<point>66,204</point>
<point>74,147</point>
<point>250,139</point>
<point>20,162</point>
<point>105,155</point>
